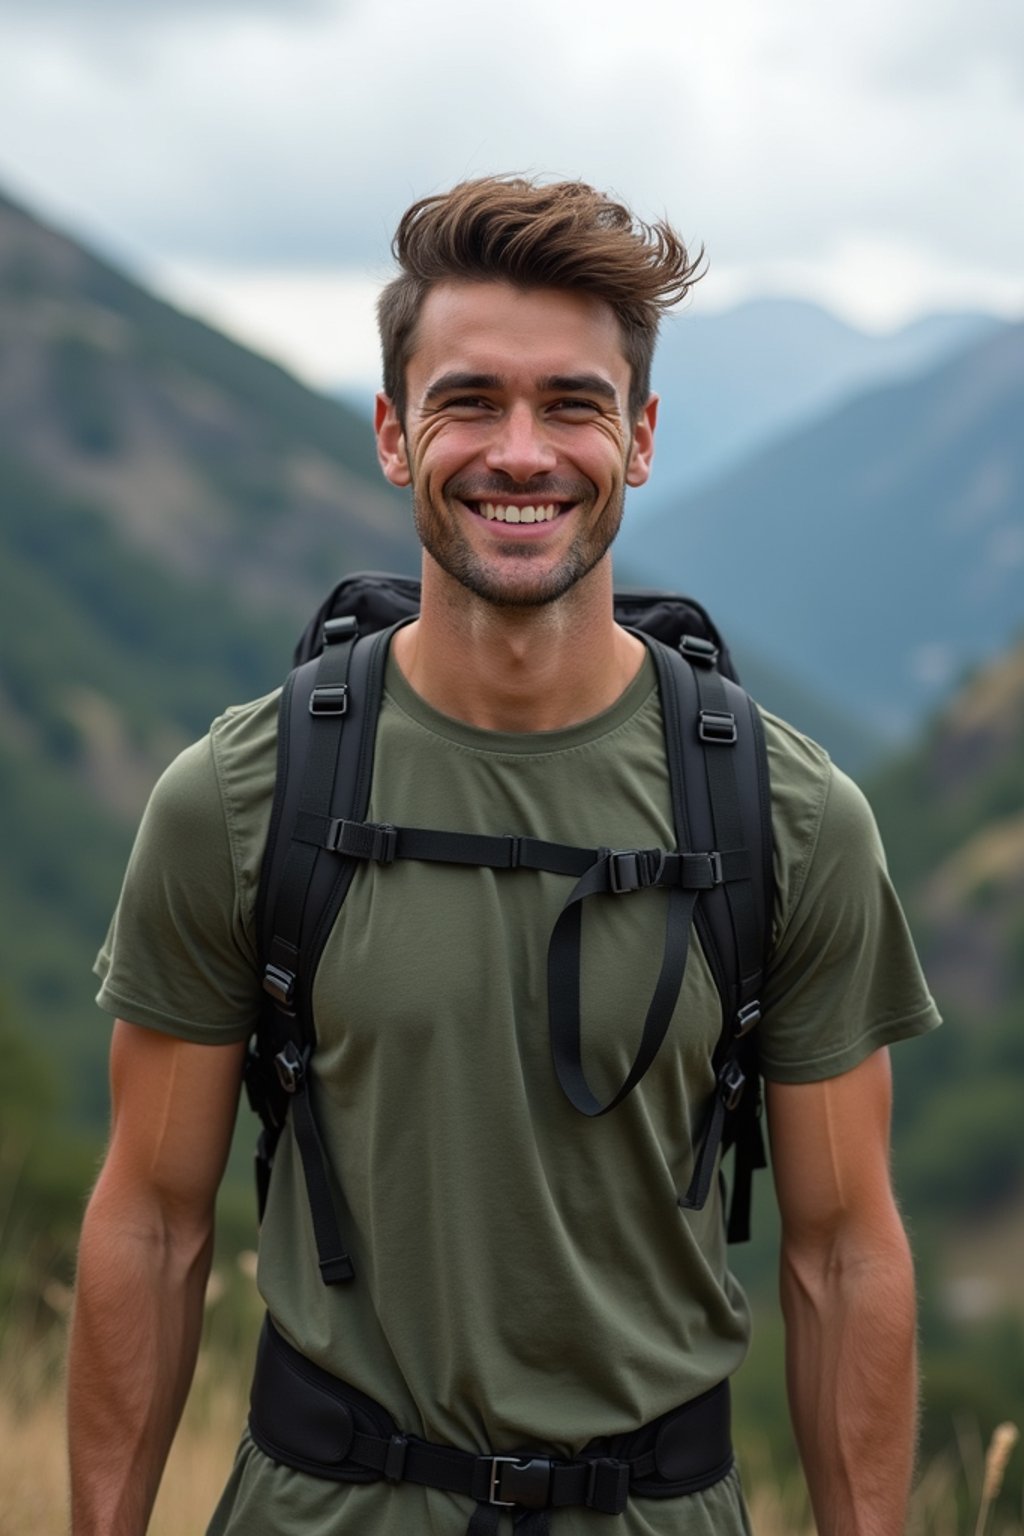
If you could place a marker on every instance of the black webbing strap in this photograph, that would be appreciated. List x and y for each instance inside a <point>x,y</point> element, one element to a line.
<point>705,735</point>
<point>321,760</point>
<point>564,958</point>
<point>615,870</point>
<point>334,1263</point>
<point>326,706</point>
<point>600,871</point>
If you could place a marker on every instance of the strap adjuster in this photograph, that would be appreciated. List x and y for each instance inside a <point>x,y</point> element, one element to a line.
<point>732,1080</point>
<point>329,699</point>
<point>376,840</point>
<point>634,869</point>
<point>394,1458</point>
<point>607,1485</point>
<point>343,628</point>
<point>290,1067</point>
<point>746,1018</point>
<point>703,652</point>
<point>717,725</point>
<point>517,1481</point>
<point>279,984</point>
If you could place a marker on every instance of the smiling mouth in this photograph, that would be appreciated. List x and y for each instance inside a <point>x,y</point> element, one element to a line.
<point>500,512</point>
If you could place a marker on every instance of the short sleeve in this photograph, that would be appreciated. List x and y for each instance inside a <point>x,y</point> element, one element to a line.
<point>179,954</point>
<point>844,977</point>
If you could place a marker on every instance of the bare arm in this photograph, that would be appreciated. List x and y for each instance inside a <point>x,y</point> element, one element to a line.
<point>143,1263</point>
<point>848,1299</point>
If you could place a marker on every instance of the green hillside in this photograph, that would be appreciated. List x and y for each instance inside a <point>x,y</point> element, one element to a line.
<point>171,506</point>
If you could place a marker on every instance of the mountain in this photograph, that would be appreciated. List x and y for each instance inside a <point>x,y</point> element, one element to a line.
<point>733,381</point>
<point>878,553</point>
<point>171,508</point>
<point>203,455</point>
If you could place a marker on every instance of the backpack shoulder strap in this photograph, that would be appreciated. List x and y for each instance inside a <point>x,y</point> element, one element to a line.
<point>718,769</point>
<point>326,734</point>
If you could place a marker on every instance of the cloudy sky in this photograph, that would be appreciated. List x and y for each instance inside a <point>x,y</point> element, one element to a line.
<point>251,157</point>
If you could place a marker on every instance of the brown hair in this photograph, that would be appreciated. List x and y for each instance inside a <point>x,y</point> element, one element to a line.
<point>560,235</point>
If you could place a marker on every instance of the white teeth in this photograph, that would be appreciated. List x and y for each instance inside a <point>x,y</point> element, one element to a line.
<point>495,512</point>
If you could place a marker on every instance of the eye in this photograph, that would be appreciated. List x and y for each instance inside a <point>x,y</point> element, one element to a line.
<point>574,407</point>
<point>468,403</point>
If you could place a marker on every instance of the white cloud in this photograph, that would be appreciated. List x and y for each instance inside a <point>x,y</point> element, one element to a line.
<point>320,325</point>
<point>868,155</point>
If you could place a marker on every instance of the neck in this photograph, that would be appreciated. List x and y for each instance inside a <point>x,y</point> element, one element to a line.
<point>518,669</point>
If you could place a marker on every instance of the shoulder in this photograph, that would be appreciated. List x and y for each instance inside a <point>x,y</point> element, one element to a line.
<point>209,780</point>
<point>820,817</point>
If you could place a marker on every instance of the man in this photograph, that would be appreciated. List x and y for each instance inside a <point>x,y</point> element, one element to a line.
<point>524,1277</point>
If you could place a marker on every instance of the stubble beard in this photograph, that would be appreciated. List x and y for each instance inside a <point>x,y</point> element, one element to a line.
<point>444,542</point>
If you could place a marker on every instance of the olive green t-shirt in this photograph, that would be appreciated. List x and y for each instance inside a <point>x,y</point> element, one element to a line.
<point>524,1274</point>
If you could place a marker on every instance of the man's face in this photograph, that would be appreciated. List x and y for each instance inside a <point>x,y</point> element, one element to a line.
<point>517,441</point>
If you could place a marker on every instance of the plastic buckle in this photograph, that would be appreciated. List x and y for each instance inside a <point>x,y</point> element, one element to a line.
<point>528,1482</point>
<point>290,1068</point>
<point>336,630</point>
<point>703,652</point>
<point>717,872</point>
<point>329,700</point>
<point>634,869</point>
<point>717,725</point>
<point>746,1018</point>
<point>607,1485</point>
<point>376,840</point>
<point>624,870</point>
<point>732,1081</point>
<point>279,983</point>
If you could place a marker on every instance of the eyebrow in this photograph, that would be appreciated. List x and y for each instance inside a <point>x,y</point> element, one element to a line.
<point>580,384</point>
<point>563,383</point>
<point>449,381</point>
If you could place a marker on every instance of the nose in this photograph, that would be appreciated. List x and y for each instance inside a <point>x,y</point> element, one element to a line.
<point>520,447</point>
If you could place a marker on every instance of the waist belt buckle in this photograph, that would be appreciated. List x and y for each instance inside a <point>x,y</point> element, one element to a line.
<point>529,1482</point>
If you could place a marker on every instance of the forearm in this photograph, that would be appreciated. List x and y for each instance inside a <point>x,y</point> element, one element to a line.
<point>135,1332</point>
<point>852,1378</point>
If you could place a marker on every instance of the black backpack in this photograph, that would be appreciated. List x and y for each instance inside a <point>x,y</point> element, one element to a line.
<point>719,876</point>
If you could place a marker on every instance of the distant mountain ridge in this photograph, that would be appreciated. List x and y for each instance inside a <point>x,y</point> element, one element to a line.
<point>732,382</point>
<point>878,553</point>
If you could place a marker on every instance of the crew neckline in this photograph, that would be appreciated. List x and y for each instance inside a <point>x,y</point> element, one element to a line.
<point>405,698</point>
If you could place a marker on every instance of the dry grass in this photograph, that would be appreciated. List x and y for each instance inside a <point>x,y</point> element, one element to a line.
<point>33,1491</point>
<point>33,1476</point>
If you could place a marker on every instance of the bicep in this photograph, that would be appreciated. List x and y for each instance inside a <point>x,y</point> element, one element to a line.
<point>830,1151</point>
<point>173,1110</point>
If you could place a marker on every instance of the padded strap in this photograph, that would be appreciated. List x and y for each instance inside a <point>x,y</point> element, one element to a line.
<point>303,1417</point>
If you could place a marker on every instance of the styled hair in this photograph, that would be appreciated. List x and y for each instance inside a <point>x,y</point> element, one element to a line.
<point>560,235</point>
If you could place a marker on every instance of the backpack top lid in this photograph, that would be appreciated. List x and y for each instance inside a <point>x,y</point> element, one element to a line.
<point>376,599</point>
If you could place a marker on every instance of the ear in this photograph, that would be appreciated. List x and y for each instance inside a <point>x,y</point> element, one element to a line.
<point>390,442</point>
<point>642,448</point>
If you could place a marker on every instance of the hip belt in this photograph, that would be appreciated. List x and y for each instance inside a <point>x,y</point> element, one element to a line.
<point>302,1416</point>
